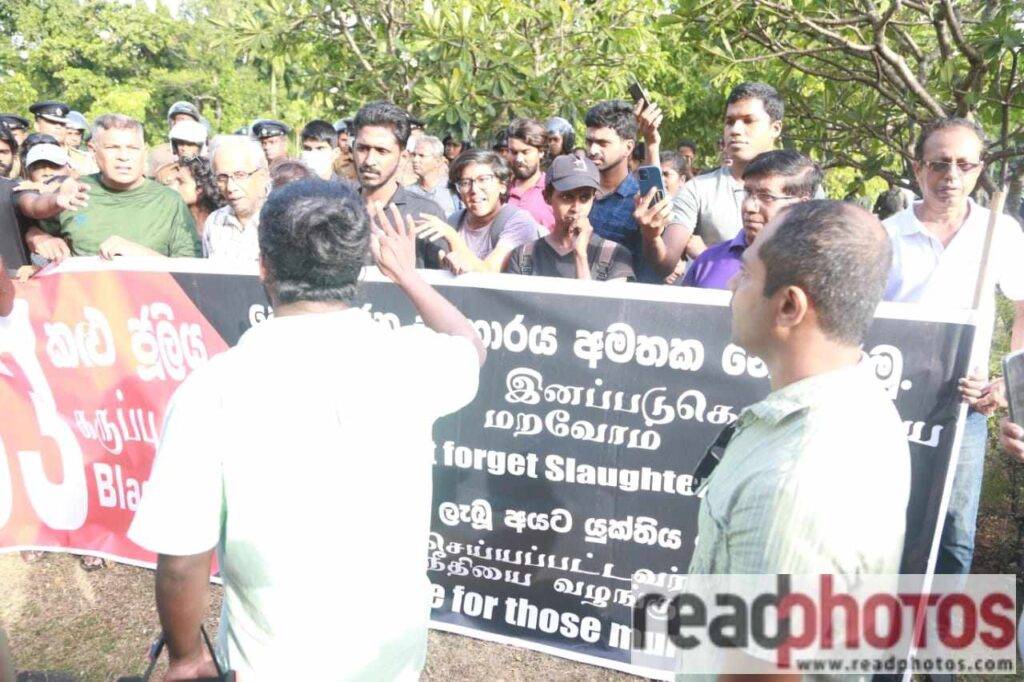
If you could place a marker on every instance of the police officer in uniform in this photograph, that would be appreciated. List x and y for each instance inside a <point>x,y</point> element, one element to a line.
<point>18,125</point>
<point>273,137</point>
<point>51,118</point>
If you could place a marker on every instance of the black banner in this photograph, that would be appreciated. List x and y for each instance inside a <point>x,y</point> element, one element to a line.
<point>570,473</point>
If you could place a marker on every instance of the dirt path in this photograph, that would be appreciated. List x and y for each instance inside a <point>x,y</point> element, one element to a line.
<point>98,626</point>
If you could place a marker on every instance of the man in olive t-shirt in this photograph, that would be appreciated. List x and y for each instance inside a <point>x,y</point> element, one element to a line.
<point>127,215</point>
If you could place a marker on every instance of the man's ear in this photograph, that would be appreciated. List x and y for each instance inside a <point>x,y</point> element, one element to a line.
<point>264,274</point>
<point>793,307</point>
<point>776,129</point>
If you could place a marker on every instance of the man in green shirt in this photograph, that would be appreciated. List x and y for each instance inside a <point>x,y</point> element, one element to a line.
<point>128,214</point>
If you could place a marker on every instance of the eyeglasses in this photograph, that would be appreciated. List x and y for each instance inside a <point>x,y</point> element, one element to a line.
<point>943,167</point>
<point>238,176</point>
<point>762,198</point>
<point>467,184</point>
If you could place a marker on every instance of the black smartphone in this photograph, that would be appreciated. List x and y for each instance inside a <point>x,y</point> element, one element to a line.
<point>650,177</point>
<point>1013,375</point>
<point>638,94</point>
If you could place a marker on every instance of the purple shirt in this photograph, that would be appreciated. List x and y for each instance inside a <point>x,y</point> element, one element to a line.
<point>532,201</point>
<point>715,267</point>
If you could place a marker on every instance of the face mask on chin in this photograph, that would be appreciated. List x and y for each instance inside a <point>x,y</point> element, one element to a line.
<point>319,161</point>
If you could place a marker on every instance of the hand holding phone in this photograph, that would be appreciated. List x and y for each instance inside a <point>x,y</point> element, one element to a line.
<point>638,94</point>
<point>650,178</point>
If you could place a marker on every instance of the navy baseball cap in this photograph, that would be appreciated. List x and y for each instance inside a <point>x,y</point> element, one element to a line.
<point>568,172</point>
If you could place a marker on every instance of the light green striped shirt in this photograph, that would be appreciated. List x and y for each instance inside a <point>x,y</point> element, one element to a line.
<point>816,479</point>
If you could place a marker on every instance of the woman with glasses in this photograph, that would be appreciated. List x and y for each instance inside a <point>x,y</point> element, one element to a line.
<point>482,236</point>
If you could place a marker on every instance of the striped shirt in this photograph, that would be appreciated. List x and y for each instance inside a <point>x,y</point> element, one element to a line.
<point>225,237</point>
<point>816,479</point>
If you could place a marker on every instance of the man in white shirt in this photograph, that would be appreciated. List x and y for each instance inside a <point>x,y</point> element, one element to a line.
<point>937,249</point>
<point>240,170</point>
<point>307,441</point>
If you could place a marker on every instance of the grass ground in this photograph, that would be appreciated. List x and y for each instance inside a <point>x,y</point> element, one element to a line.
<point>99,625</point>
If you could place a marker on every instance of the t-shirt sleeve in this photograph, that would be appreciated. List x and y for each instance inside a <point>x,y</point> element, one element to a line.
<point>514,267</point>
<point>1011,253</point>
<point>184,240</point>
<point>622,264</point>
<point>181,506</point>
<point>520,229</point>
<point>444,371</point>
<point>686,206</point>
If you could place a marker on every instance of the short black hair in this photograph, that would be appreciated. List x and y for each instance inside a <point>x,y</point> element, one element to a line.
<point>319,130</point>
<point>500,140</point>
<point>616,114</point>
<point>803,176</point>
<point>935,125</point>
<point>689,144</point>
<point>890,202</point>
<point>284,171</point>
<point>7,135</point>
<point>768,95</point>
<point>482,156</point>
<point>529,131</point>
<point>385,115</point>
<point>313,240</point>
<point>839,255</point>
<point>202,172</point>
<point>639,151</point>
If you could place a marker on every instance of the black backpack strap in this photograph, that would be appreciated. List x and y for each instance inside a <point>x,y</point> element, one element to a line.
<point>526,259</point>
<point>604,260</point>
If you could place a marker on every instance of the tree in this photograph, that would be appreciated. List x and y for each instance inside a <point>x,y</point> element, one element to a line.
<point>867,74</point>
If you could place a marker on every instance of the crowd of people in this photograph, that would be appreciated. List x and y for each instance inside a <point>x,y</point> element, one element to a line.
<point>806,274</point>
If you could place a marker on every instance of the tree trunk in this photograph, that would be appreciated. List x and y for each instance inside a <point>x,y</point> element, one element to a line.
<point>1014,194</point>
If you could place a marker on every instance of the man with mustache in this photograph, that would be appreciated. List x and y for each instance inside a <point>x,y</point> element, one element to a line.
<point>937,246</point>
<point>771,182</point>
<point>709,205</point>
<point>527,141</point>
<point>381,132</point>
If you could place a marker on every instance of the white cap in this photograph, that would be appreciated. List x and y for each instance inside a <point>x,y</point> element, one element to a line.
<point>188,131</point>
<point>47,152</point>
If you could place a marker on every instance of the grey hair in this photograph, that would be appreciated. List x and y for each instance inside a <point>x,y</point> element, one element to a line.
<point>435,145</point>
<point>116,122</point>
<point>244,142</point>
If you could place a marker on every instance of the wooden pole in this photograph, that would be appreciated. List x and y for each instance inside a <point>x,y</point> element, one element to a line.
<point>984,274</point>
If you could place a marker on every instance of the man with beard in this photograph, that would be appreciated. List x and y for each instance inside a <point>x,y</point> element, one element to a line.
<point>771,182</point>
<point>527,142</point>
<point>640,224</point>
<point>381,132</point>
<point>8,152</point>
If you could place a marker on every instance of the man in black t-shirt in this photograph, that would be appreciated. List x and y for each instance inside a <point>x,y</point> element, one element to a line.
<point>572,250</point>
<point>381,132</point>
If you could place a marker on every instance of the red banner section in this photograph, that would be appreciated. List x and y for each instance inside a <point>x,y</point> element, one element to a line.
<point>87,365</point>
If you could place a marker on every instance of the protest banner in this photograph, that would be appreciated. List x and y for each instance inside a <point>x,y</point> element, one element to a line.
<point>568,477</point>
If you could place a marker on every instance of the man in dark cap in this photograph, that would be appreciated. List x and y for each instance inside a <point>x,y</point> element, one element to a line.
<point>273,137</point>
<point>572,250</point>
<point>18,125</point>
<point>183,111</point>
<point>51,118</point>
<point>344,166</point>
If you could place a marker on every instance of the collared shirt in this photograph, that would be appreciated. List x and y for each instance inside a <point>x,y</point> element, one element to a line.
<point>715,267</point>
<point>612,218</point>
<point>446,200</point>
<point>84,163</point>
<point>789,493</point>
<point>532,201</point>
<point>709,205</point>
<point>310,385</point>
<point>226,237</point>
<point>923,271</point>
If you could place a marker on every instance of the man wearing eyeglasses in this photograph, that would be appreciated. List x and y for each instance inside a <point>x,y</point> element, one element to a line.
<point>240,171</point>
<point>937,249</point>
<point>772,181</point>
